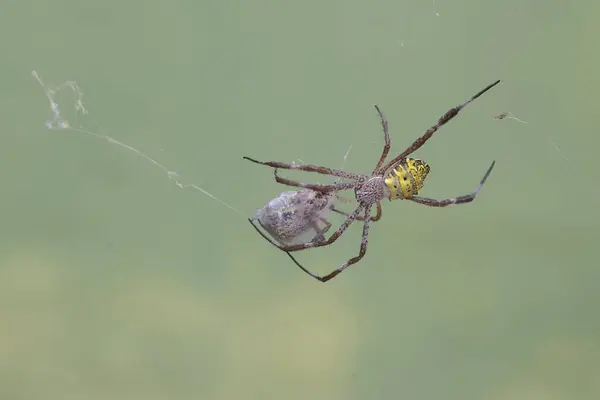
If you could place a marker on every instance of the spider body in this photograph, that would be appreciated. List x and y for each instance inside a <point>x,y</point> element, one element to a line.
<point>401,178</point>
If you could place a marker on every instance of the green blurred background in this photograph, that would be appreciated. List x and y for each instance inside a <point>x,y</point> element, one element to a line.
<point>117,284</point>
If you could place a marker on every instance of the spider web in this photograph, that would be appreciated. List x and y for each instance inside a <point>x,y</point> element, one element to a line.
<point>58,123</point>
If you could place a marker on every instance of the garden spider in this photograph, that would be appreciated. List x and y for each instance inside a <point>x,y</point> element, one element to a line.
<point>401,178</point>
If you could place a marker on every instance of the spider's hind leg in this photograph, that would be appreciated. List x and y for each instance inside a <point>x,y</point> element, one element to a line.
<point>455,200</point>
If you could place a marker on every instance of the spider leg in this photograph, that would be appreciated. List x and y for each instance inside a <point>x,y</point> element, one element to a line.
<point>386,135</point>
<point>359,218</point>
<point>315,186</point>
<point>450,114</point>
<point>268,239</point>
<point>308,168</point>
<point>363,250</point>
<point>455,200</point>
<point>320,233</point>
<point>327,225</point>
<point>377,217</point>
<point>344,199</point>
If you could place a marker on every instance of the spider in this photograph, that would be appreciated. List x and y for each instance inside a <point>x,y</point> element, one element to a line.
<point>401,178</point>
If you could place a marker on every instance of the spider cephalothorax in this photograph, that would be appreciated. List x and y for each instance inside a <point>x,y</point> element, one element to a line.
<point>401,178</point>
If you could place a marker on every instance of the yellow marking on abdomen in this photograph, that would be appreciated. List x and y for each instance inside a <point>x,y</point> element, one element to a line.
<point>406,179</point>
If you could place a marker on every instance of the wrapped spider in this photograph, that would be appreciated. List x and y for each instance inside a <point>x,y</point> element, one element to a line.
<point>295,217</point>
<point>401,178</point>
<point>290,217</point>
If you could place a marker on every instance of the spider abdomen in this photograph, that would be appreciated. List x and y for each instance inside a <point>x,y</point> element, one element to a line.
<point>406,179</point>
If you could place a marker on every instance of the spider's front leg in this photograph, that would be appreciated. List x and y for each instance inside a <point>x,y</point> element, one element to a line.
<point>387,141</point>
<point>447,117</point>
<point>314,186</point>
<point>308,168</point>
